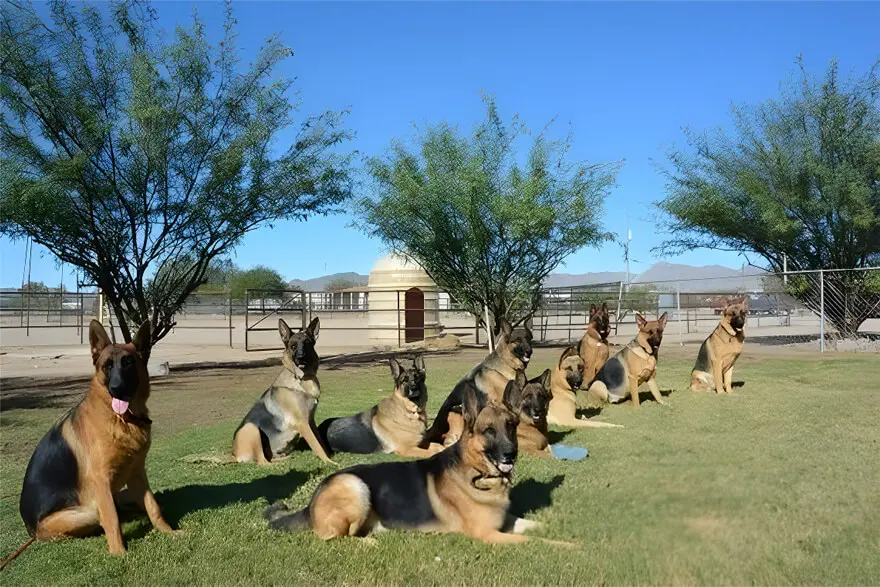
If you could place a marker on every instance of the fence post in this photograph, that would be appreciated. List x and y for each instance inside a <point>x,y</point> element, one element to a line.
<point>229,301</point>
<point>476,330</point>
<point>247,317</point>
<point>570,311</point>
<point>678,310</point>
<point>302,297</point>
<point>821,311</point>
<point>398,318</point>
<point>82,316</point>
<point>617,316</point>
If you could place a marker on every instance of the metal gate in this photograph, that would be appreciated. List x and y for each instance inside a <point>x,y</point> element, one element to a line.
<point>261,305</point>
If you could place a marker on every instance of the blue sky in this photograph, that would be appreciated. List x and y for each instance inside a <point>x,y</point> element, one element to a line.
<point>627,76</point>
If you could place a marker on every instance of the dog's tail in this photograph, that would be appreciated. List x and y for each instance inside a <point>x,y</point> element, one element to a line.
<point>280,518</point>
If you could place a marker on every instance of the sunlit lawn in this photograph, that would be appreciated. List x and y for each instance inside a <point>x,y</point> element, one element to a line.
<point>777,484</point>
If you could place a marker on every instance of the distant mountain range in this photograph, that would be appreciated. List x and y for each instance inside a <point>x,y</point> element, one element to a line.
<point>320,283</point>
<point>709,278</point>
<point>670,276</point>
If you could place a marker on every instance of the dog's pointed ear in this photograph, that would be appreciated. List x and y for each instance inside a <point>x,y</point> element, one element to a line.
<point>396,369</point>
<point>314,328</point>
<point>504,328</point>
<point>640,320</point>
<point>593,309</point>
<point>419,363</point>
<point>470,408</point>
<point>98,339</point>
<point>604,307</point>
<point>569,352</point>
<point>545,379</point>
<point>141,339</point>
<point>513,397</point>
<point>284,331</point>
<point>663,319</point>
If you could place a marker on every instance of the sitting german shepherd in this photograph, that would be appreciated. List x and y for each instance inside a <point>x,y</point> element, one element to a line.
<point>464,489</point>
<point>566,380</point>
<point>531,433</point>
<point>718,353</point>
<point>397,424</point>
<point>634,364</point>
<point>593,347</point>
<point>96,450</point>
<point>513,350</point>
<point>286,411</point>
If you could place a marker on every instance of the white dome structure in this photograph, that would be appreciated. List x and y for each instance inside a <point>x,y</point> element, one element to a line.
<point>403,302</point>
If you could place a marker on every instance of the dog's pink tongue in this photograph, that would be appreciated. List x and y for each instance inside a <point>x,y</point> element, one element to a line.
<point>119,406</point>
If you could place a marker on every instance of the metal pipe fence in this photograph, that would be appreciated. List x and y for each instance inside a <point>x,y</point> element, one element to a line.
<point>826,310</point>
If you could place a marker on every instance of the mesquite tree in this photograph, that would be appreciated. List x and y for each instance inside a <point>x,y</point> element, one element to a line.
<point>797,177</point>
<point>141,159</point>
<point>485,228</point>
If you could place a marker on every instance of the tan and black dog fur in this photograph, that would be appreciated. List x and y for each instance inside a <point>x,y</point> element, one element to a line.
<point>513,350</point>
<point>718,353</point>
<point>531,433</point>
<point>567,378</point>
<point>96,450</point>
<point>286,411</point>
<point>633,365</point>
<point>464,489</point>
<point>397,424</point>
<point>594,348</point>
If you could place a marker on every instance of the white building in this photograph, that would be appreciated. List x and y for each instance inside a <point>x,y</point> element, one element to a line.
<point>403,302</point>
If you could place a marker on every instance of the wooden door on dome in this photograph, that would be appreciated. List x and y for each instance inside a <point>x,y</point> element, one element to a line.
<point>414,315</point>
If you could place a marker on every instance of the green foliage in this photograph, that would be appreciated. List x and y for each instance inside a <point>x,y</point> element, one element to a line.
<point>341,283</point>
<point>486,228</point>
<point>141,159</point>
<point>259,277</point>
<point>798,177</point>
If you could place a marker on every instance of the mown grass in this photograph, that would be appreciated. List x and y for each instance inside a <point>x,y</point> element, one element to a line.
<point>776,484</point>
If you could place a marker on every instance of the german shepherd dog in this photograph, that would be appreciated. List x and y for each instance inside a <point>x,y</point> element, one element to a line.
<point>513,350</point>
<point>719,352</point>
<point>286,411</point>
<point>531,433</point>
<point>397,424</point>
<point>634,364</point>
<point>95,450</point>
<point>567,378</point>
<point>594,348</point>
<point>464,489</point>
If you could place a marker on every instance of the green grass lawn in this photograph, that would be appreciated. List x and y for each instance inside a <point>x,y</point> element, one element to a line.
<point>777,484</point>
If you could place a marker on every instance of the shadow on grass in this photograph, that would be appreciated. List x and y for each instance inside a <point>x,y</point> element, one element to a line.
<point>531,495</point>
<point>177,503</point>
<point>555,436</point>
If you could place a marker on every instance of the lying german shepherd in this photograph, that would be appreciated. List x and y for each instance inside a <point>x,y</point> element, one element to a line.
<point>633,365</point>
<point>464,489</point>
<point>397,424</point>
<point>286,411</point>
<point>531,433</point>
<point>513,349</point>
<point>593,347</point>
<point>718,353</point>
<point>566,380</point>
<point>96,450</point>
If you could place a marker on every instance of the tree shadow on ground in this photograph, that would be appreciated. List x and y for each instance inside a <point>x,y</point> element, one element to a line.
<point>532,495</point>
<point>177,503</point>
